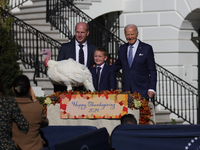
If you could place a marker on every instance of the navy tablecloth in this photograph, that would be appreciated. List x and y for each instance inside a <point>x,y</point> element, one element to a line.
<point>56,134</point>
<point>156,137</point>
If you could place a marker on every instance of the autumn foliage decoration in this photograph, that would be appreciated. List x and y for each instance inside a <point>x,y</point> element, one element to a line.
<point>134,101</point>
<point>145,110</point>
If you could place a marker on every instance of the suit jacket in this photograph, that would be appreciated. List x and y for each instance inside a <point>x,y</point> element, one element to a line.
<point>142,75</point>
<point>33,112</point>
<point>68,50</point>
<point>107,79</point>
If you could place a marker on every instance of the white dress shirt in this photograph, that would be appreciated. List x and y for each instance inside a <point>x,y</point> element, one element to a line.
<point>135,46</point>
<point>84,51</point>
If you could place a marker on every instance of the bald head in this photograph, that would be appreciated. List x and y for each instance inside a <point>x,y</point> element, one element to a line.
<point>81,32</point>
<point>83,24</point>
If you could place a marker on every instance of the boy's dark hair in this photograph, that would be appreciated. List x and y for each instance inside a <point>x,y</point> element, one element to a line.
<point>102,49</point>
<point>21,85</point>
<point>128,119</point>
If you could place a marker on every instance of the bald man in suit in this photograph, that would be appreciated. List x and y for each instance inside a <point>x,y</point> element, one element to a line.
<point>75,49</point>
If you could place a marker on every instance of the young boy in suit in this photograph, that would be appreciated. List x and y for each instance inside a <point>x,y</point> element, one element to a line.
<point>104,76</point>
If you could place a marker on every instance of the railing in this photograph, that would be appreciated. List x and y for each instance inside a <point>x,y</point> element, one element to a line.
<point>176,95</point>
<point>30,42</point>
<point>63,15</point>
<point>16,3</point>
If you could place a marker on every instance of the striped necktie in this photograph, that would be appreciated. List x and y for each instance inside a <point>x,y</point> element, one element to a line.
<point>130,56</point>
<point>81,54</point>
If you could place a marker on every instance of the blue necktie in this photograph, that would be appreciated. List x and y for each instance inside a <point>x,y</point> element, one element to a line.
<point>81,54</point>
<point>98,74</point>
<point>130,56</point>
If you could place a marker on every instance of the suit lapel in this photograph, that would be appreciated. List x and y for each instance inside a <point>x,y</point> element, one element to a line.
<point>73,50</point>
<point>124,51</point>
<point>89,55</point>
<point>103,73</point>
<point>94,76</point>
<point>138,51</point>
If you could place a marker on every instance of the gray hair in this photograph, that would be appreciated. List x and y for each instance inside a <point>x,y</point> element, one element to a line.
<point>129,26</point>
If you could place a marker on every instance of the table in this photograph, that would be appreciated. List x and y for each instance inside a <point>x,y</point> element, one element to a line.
<point>53,114</point>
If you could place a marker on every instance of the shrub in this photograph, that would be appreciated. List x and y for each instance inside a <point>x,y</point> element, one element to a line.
<point>9,67</point>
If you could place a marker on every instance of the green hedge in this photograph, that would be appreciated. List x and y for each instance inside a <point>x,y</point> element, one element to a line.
<point>9,67</point>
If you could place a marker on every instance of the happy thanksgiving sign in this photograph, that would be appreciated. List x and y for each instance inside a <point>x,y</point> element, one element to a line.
<point>93,105</point>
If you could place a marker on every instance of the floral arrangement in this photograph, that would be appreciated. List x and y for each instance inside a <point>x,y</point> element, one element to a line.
<point>134,101</point>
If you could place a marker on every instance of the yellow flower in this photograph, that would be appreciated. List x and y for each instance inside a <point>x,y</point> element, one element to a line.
<point>137,104</point>
<point>47,101</point>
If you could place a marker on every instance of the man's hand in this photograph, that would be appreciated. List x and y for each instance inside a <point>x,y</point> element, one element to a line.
<point>150,94</point>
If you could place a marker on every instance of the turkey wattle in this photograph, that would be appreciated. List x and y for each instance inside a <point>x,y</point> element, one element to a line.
<point>67,72</point>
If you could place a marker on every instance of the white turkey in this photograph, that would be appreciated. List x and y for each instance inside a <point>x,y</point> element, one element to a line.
<point>67,72</point>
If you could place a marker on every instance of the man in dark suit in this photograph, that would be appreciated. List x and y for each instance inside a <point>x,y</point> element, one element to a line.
<point>136,59</point>
<point>78,49</point>
<point>105,79</point>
